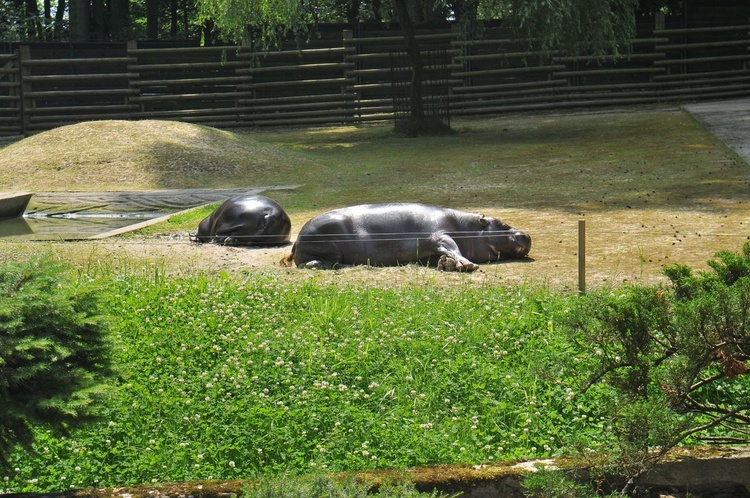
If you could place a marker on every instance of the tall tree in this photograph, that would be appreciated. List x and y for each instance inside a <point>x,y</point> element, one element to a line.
<point>577,27</point>
<point>80,20</point>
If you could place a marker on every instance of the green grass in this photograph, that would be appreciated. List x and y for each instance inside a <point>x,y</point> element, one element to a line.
<point>225,379</point>
<point>260,372</point>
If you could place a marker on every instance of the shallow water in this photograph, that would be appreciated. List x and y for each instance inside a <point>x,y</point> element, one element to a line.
<point>81,215</point>
<point>65,227</point>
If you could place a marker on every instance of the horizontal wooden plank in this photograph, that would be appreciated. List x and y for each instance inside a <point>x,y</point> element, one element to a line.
<point>167,97</point>
<point>209,81</point>
<point>76,61</point>
<point>301,83</point>
<point>84,93</point>
<point>699,75</point>
<point>301,99</point>
<point>398,39</point>
<point>387,71</point>
<point>689,46</point>
<point>702,60</point>
<point>611,58</point>
<point>187,66</point>
<point>182,50</point>
<point>712,29</point>
<point>609,72</point>
<point>293,53</point>
<point>47,78</point>
<point>325,66</point>
<point>81,109</point>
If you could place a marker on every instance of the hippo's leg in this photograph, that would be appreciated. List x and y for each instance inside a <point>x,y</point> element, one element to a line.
<point>451,258</point>
<point>231,241</point>
<point>204,231</point>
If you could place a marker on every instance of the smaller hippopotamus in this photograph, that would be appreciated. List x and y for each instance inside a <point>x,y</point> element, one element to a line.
<point>246,220</point>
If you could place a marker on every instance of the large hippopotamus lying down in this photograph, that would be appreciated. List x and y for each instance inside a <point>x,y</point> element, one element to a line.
<point>246,220</point>
<point>400,233</point>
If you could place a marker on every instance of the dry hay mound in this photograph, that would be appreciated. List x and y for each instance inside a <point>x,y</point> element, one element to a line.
<point>133,155</point>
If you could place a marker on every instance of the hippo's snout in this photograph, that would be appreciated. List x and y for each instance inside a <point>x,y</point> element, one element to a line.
<point>523,243</point>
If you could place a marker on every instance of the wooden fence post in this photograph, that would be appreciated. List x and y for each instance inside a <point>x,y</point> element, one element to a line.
<point>132,76</point>
<point>24,55</point>
<point>581,257</point>
<point>347,39</point>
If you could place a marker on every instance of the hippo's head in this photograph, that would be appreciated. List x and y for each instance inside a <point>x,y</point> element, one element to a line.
<point>504,241</point>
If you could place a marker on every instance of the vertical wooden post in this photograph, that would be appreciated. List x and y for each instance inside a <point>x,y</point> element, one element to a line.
<point>24,56</point>
<point>132,75</point>
<point>581,257</point>
<point>349,80</point>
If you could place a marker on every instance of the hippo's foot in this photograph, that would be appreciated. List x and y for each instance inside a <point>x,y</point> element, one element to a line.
<point>450,264</point>
<point>315,264</point>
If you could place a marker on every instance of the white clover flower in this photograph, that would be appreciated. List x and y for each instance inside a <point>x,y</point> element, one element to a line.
<point>231,463</point>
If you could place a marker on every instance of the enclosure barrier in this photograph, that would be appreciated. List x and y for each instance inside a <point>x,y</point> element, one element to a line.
<point>350,79</point>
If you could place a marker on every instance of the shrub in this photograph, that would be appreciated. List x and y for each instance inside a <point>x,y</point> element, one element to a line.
<point>670,356</point>
<point>54,352</point>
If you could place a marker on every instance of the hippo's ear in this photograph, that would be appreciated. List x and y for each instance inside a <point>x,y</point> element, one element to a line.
<point>483,220</point>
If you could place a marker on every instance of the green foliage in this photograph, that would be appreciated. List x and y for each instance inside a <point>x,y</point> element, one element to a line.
<point>671,357</point>
<point>556,484</point>
<point>268,21</point>
<point>321,486</point>
<point>250,376</point>
<point>54,352</point>
<point>578,27</point>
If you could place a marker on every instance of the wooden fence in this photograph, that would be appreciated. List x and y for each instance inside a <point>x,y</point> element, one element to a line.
<point>351,79</point>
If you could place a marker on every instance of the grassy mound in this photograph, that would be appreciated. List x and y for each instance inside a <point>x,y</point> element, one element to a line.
<point>132,155</point>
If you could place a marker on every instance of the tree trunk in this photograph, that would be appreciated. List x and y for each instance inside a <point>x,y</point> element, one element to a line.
<point>173,19</point>
<point>152,19</point>
<point>47,19</point>
<point>120,20</point>
<point>59,18</point>
<point>33,24</point>
<point>79,20</point>
<point>98,19</point>
<point>413,52</point>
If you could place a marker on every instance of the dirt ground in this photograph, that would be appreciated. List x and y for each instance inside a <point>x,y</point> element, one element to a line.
<point>629,254</point>
<point>619,247</point>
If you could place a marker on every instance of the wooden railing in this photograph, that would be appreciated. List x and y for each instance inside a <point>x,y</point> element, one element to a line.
<point>350,80</point>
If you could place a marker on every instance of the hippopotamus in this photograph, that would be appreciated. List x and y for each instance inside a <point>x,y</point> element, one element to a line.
<point>246,220</point>
<point>399,233</point>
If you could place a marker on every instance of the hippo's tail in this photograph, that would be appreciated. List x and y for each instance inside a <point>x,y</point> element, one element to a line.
<point>288,260</point>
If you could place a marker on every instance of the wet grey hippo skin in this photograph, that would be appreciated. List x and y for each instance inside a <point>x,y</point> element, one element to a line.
<point>246,220</point>
<point>400,233</point>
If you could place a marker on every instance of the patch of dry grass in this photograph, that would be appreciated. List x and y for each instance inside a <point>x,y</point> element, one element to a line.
<point>653,185</point>
<point>137,155</point>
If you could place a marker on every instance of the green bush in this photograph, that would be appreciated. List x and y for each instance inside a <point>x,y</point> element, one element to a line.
<point>671,357</point>
<point>54,352</point>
